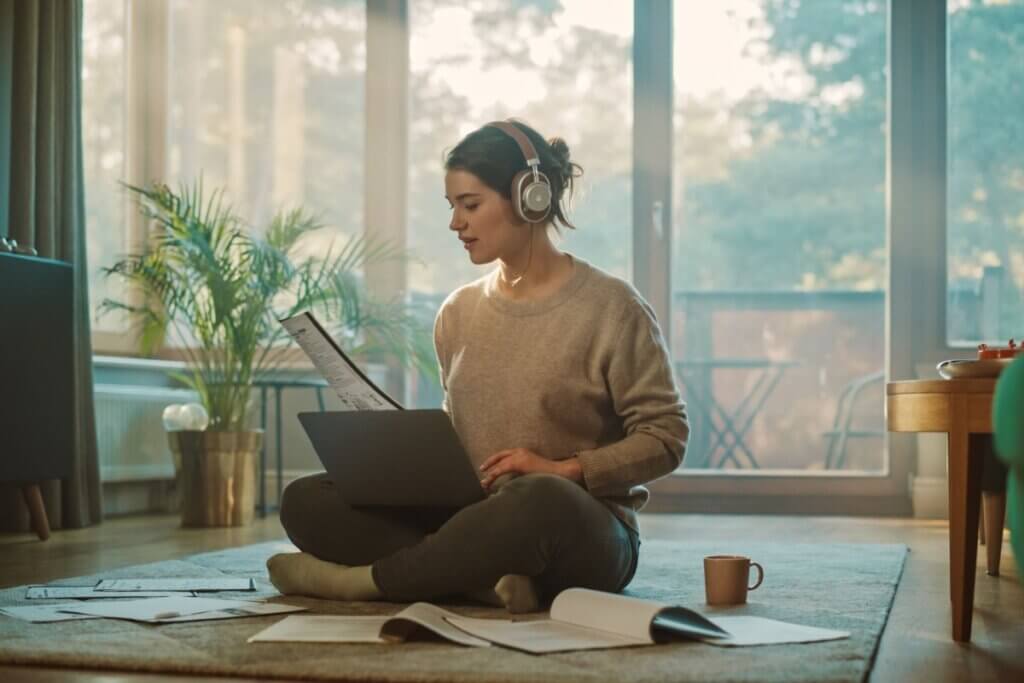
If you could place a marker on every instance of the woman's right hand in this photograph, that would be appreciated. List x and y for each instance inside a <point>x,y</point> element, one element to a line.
<point>519,461</point>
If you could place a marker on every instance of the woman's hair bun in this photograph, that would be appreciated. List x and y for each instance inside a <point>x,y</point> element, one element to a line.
<point>560,149</point>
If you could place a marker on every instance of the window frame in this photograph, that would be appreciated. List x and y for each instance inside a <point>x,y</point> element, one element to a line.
<point>145,144</point>
<point>915,318</point>
<point>916,243</point>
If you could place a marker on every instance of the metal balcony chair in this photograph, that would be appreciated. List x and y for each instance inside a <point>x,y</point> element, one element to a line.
<point>842,425</point>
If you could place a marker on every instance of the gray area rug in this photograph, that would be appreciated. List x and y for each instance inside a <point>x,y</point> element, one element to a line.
<point>840,586</point>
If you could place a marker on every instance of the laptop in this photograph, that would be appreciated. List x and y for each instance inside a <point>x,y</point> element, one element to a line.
<point>394,457</point>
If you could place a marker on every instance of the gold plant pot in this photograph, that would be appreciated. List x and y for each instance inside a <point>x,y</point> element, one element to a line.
<point>216,476</point>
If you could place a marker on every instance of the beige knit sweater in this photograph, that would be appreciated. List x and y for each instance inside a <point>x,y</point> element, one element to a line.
<point>583,372</point>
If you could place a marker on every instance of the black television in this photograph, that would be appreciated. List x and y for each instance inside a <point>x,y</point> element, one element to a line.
<point>37,384</point>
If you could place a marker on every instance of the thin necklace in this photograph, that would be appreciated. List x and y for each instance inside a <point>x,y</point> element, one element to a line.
<point>529,259</point>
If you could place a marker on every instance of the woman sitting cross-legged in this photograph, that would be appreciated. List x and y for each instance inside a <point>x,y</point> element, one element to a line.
<point>559,385</point>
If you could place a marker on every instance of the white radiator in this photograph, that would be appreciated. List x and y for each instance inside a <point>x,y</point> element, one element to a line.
<point>129,431</point>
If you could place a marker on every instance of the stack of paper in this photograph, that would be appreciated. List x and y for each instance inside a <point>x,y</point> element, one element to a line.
<point>201,585</point>
<point>164,610</point>
<point>86,593</point>
<point>159,601</point>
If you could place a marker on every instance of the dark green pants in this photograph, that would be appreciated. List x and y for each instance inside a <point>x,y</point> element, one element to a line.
<point>538,525</point>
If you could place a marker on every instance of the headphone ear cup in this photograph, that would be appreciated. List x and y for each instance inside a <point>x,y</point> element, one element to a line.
<point>518,183</point>
<point>525,190</point>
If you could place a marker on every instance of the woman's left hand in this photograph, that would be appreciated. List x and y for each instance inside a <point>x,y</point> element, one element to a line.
<point>524,461</point>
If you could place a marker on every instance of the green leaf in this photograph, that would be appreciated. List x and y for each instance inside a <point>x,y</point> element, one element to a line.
<point>216,289</point>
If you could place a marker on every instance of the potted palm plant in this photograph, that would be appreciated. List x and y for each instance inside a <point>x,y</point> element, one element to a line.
<point>216,290</point>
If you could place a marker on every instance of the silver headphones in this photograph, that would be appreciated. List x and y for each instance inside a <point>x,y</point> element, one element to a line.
<point>531,189</point>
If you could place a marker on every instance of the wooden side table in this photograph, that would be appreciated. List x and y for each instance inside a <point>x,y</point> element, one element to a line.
<point>962,409</point>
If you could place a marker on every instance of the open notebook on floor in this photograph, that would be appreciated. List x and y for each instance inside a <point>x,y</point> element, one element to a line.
<point>580,619</point>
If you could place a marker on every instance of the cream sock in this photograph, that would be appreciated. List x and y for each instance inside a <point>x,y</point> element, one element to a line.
<point>304,574</point>
<point>518,592</point>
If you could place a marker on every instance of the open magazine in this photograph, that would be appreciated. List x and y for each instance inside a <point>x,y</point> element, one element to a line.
<point>583,619</point>
<point>353,387</point>
<point>580,619</point>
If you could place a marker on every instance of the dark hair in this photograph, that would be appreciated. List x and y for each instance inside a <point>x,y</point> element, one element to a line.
<point>495,158</point>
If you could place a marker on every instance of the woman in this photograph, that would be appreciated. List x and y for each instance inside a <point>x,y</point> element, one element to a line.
<point>558,382</point>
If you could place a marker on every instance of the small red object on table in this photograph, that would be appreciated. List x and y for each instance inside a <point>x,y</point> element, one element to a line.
<point>986,352</point>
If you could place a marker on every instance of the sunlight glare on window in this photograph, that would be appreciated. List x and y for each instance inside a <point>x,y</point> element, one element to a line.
<point>563,67</point>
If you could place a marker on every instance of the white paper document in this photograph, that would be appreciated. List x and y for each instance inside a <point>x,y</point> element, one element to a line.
<point>323,628</point>
<point>84,593</point>
<point>154,609</point>
<point>355,389</point>
<point>44,613</point>
<point>415,619</point>
<point>170,585</point>
<point>760,631</point>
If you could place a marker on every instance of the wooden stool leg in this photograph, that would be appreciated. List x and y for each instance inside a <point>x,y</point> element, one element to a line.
<point>994,508</point>
<point>36,510</point>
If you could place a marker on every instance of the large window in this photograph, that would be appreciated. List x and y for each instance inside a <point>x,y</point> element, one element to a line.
<point>985,214</point>
<point>103,141</point>
<point>266,100</point>
<point>779,261</point>
<point>566,69</point>
<point>797,146</point>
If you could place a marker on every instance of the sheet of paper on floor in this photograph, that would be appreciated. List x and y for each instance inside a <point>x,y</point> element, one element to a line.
<point>760,631</point>
<point>152,609</point>
<point>85,593</point>
<point>44,613</point>
<point>251,609</point>
<point>323,628</point>
<point>199,583</point>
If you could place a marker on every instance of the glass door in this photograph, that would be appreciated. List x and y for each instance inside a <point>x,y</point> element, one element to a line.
<point>778,271</point>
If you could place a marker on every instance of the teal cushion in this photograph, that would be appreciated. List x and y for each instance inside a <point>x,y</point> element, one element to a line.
<point>1008,425</point>
<point>1007,414</point>
<point>1015,516</point>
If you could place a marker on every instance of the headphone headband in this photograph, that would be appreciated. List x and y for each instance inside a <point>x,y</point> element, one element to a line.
<point>529,152</point>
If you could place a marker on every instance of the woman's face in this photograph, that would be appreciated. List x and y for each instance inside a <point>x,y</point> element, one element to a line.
<point>482,218</point>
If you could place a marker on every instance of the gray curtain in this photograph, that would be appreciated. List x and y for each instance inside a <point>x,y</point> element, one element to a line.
<point>42,205</point>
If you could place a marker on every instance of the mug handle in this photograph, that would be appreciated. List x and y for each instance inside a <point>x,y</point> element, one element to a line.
<point>760,575</point>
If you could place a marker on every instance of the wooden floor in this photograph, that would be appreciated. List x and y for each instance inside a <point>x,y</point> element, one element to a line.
<point>916,644</point>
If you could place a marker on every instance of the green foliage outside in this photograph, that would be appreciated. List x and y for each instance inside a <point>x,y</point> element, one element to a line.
<point>776,190</point>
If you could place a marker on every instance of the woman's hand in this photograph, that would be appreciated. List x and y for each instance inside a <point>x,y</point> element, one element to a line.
<point>524,461</point>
